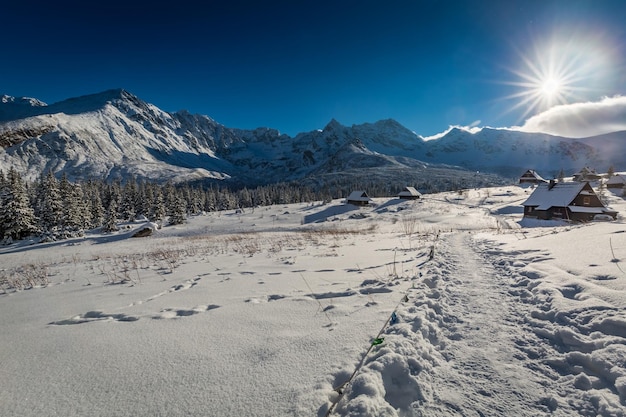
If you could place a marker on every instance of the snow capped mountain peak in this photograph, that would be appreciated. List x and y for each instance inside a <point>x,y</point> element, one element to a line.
<point>92,102</point>
<point>390,124</point>
<point>24,101</point>
<point>333,125</point>
<point>18,107</point>
<point>114,134</point>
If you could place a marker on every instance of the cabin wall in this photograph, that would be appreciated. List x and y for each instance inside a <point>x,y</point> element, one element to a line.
<point>587,201</point>
<point>554,213</point>
<point>357,203</point>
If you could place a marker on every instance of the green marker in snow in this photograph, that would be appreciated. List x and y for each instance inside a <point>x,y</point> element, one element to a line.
<point>378,341</point>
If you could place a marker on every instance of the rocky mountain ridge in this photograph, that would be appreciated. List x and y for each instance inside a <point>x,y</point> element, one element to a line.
<point>114,134</point>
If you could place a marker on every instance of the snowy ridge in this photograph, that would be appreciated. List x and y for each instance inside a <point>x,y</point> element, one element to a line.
<point>115,134</point>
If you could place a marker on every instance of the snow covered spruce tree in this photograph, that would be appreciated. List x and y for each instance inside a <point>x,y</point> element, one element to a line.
<point>74,211</point>
<point>48,205</point>
<point>128,206</point>
<point>17,218</point>
<point>110,218</point>
<point>175,204</point>
<point>177,210</point>
<point>156,209</point>
<point>94,203</point>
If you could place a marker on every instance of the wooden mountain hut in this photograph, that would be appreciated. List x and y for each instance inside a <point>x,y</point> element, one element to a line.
<point>531,177</point>
<point>358,198</point>
<point>409,193</point>
<point>575,201</point>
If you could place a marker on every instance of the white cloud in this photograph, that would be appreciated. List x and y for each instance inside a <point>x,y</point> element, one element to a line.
<point>580,120</point>
<point>471,129</point>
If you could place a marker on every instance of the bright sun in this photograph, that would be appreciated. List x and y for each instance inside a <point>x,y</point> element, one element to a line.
<point>550,86</point>
<point>554,72</point>
<point>542,86</point>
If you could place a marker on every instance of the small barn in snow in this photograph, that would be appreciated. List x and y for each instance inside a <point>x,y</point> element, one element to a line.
<point>616,181</point>
<point>358,198</point>
<point>574,201</point>
<point>587,174</point>
<point>409,193</point>
<point>531,177</point>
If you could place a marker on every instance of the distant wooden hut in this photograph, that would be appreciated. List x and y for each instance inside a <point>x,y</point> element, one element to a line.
<point>574,201</point>
<point>531,177</point>
<point>358,198</point>
<point>587,174</point>
<point>616,181</point>
<point>409,193</point>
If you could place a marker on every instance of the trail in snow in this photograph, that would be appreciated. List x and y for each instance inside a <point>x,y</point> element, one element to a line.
<point>480,324</point>
<point>455,349</point>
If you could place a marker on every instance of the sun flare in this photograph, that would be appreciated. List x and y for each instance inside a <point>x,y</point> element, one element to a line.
<point>559,70</point>
<point>550,86</point>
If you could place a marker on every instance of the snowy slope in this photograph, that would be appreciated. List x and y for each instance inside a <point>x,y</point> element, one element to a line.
<point>107,135</point>
<point>274,311</point>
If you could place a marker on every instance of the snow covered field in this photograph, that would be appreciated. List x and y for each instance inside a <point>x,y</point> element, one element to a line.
<point>444,306</point>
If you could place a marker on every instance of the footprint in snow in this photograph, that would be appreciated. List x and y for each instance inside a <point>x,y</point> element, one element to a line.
<point>173,313</point>
<point>92,316</point>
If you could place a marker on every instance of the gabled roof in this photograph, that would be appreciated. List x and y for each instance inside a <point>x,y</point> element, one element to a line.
<point>358,196</point>
<point>586,171</point>
<point>409,191</point>
<point>559,194</point>
<point>616,179</point>
<point>531,173</point>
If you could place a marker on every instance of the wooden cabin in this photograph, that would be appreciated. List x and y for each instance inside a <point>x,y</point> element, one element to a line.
<point>587,174</point>
<point>531,177</point>
<point>409,193</point>
<point>358,198</point>
<point>575,201</point>
<point>616,181</point>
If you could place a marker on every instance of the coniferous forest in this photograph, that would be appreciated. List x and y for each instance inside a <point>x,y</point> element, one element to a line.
<point>54,208</point>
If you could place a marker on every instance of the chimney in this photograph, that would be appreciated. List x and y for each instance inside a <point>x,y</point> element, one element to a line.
<point>552,184</point>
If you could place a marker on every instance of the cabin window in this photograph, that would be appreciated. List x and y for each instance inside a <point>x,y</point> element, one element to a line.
<point>586,201</point>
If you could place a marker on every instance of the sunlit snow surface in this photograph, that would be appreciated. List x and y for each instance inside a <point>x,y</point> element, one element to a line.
<point>273,311</point>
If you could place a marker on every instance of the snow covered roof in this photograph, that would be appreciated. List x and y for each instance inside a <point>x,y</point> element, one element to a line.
<point>559,194</point>
<point>358,196</point>
<point>531,173</point>
<point>409,191</point>
<point>585,209</point>
<point>586,170</point>
<point>616,179</point>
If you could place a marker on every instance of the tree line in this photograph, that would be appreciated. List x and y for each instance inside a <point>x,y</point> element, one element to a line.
<point>56,208</point>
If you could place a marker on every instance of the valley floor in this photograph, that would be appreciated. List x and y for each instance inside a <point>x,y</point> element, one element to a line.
<point>438,307</point>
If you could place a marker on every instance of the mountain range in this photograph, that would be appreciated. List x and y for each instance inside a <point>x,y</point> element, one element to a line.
<point>114,134</point>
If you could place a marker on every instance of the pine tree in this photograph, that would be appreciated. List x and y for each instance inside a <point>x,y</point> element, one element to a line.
<point>48,206</point>
<point>84,207</point>
<point>157,207</point>
<point>178,209</point>
<point>110,220</point>
<point>128,209</point>
<point>94,204</point>
<point>17,218</point>
<point>113,193</point>
<point>4,202</point>
<point>143,199</point>
<point>73,213</point>
<point>210,200</point>
<point>245,198</point>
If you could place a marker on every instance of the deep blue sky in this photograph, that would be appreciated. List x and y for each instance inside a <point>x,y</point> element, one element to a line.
<point>295,65</point>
